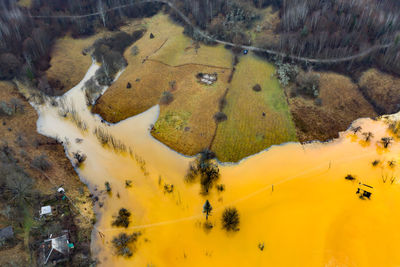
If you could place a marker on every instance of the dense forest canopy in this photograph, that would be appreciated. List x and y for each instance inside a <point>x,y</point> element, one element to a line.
<point>309,28</point>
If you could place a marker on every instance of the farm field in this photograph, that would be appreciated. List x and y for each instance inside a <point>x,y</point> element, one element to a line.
<point>68,64</point>
<point>151,70</point>
<point>256,120</point>
<point>187,123</point>
<point>341,102</point>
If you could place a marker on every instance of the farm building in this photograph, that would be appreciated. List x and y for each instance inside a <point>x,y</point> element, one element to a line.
<point>56,249</point>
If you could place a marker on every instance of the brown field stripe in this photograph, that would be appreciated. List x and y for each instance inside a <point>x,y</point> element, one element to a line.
<point>216,128</point>
<point>188,64</point>
<point>158,49</point>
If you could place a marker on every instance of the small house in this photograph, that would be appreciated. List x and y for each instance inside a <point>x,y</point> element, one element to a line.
<point>6,233</point>
<point>56,249</point>
<point>45,210</point>
<point>364,190</point>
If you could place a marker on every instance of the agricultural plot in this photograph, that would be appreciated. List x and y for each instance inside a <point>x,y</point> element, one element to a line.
<point>170,62</point>
<point>256,120</point>
<point>166,60</point>
<point>68,63</point>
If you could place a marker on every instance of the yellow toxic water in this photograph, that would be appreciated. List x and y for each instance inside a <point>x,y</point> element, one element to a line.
<point>296,207</point>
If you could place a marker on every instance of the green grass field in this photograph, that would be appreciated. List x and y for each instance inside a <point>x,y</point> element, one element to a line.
<point>247,131</point>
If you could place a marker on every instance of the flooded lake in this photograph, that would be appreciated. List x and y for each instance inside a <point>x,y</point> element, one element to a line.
<point>296,207</point>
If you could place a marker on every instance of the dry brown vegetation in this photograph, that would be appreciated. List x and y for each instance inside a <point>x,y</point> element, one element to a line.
<point>68,64</point>
<point>383,90</point>
<point>340,103</point>
<point>70,58</point>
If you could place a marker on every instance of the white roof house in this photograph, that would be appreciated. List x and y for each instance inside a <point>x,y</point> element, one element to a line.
<point>56,249</point>
<point>45,210</point>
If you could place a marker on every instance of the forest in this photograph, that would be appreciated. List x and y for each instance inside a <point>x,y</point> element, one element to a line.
<point>317,29</point>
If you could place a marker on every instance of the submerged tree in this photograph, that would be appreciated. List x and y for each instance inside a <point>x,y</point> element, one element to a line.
<point>205,167</point>
<point>207,208</point>
<point>356,129</point>
<point>122,242</point>
<point>122,220</point>
<point>230,219</point>
<point>386,141</point>
<point>368,136</point>
<point>108,187</point>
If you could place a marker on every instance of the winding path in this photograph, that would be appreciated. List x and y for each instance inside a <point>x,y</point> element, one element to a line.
<point>208,37</point>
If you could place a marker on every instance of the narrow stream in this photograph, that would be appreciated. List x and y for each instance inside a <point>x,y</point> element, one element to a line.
<point>293,200</point>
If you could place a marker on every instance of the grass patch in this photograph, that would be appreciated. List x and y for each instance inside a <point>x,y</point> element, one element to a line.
<point>68,64</point>
<point>256,120</point>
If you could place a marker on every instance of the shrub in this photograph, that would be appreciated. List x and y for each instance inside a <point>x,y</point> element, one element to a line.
<point>5,109</point>
<point>308,83</point>
<point>230,219</point>
<point>207,226</point>
<point>122,241</point>
<point>128,183</point>
<point>375,162</point>
<point>108,187</point>
<point>92,91</point>
<point>79,157</point>
<point>122,220</point>
<point>220,117</point>
<point>221,187</point>
<point>41,162</point>
<point>166,98</point>
<point>286,73</point>
<point>257,88</point>
<point>135,50</point>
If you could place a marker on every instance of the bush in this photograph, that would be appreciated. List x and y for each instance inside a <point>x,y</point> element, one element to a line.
<point>41,162</point>
<point>220,117</point>
<point>108,187</point>
<point>122,220</point>
<point>79,157</point>
<point>166,98</point>
<point>308,84</point>
<point>257,88</point>
<point>230,219</point>
<point>92,91</point>
<point>135,50</point>
<point>286,73</point>
<point>122,241</point>
<point>5,109</point>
